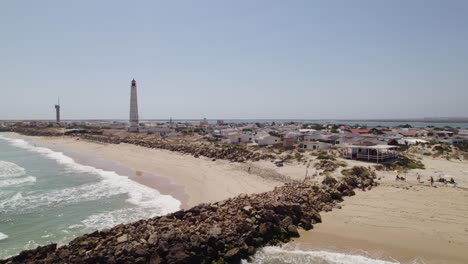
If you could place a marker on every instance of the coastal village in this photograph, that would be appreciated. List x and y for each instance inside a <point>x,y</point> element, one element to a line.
<point>341,160</point>
<point>249,184</point>
<point>279,141</point>
<point>373,144</point>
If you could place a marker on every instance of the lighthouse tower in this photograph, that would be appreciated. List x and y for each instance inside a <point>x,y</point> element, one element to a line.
<point>134,125</point>
<point>57,112</point>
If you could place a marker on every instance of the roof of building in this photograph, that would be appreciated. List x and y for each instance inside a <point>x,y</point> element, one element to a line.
<point>360,131</point>
<point>373,147</point>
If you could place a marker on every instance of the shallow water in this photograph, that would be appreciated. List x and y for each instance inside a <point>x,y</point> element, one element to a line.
<point>45,196</point>
<point>278,255</point>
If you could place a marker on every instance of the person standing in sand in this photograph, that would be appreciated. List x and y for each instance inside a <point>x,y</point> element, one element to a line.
<point>419,178</point>
<point>432,181</point>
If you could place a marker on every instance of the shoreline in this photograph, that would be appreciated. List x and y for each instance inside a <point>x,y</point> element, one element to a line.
<point>190,180</point>
<point>159,183</point>
<point>380,224</point>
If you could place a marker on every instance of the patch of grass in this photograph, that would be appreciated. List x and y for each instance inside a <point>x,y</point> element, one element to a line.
<point>325,156</point>
<point>342,163</point>
<point>329,180</point>
<point>329,165</point>
<point>405,162</point>
<point>359,171</point>
<point>404,148</point>
<point>380,167</point>
<point>298,156</point>
<point>462,146</point>
<point>288,157</point>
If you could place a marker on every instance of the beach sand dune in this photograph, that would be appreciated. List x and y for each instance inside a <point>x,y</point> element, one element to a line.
<point>397,222</point>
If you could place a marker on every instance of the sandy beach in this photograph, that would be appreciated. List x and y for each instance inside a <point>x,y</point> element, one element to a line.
<point>408,222</point>
<point>202,179</point>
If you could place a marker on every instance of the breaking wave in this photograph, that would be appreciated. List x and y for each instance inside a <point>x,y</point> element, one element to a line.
<point>12,174</point>
<point>277,255</point>
<point>149,201</point>
<point>3,236</point>
<point>10,170</point>
<point>18,181</point>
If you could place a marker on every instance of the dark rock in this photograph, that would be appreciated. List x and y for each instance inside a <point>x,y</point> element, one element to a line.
<point>292,230</point>
<point>232,253</point>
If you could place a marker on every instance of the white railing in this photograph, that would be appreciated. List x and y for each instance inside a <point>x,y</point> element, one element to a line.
<point>370,157</point>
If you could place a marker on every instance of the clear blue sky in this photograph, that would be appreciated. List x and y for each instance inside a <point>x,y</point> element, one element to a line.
<point>234,59</point>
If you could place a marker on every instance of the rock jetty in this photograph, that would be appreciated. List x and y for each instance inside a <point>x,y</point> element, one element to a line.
<point>221,232</point>
<point>204,148</point>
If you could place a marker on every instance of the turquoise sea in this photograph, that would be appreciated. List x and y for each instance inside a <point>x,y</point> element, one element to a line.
<point>47,197</point>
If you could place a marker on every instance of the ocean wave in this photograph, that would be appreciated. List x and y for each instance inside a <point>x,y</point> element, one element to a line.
<point>115,217</point>
<point>17,181</point>
<point>10,170</point>
<point>276,255</point>
<point>111,184</point>
<point>3,236</point>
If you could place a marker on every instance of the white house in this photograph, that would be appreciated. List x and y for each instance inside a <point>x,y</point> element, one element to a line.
<point>263,140</point>
<point>314,137</point>
<point>235,138</point>
<point>463,132</point>
<point>410,141</point>
<point>315,145</point>
<point>444,134</point>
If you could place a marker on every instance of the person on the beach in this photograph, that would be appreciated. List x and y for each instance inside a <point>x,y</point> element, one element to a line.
<point>432,181</point>
<point>452,181</point>
<point>419,178</point>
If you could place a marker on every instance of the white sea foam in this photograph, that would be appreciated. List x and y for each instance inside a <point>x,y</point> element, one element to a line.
<point>13,174</point>
<point>3,236</point>
<point>280,255</point>
<point>112,218</point>
<point>10,170</point>
<point>17,181</point>
<point>111,184</point>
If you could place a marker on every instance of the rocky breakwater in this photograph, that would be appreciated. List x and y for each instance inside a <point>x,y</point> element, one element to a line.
<point>233,153</point>
<point>99,138</point>
<point>222,232</point>
<point>199,148</point>
<point>33,132</point>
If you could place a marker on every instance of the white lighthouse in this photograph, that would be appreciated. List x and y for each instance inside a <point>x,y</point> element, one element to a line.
<point>134,125</point>
<point>57,112</point>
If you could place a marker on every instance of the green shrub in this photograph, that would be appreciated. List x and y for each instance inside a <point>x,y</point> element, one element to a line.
<point>298,156</point>
<point>405,162</point>
<point>325,156</point>
<point>329,180</point>
<point>359,171</point>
